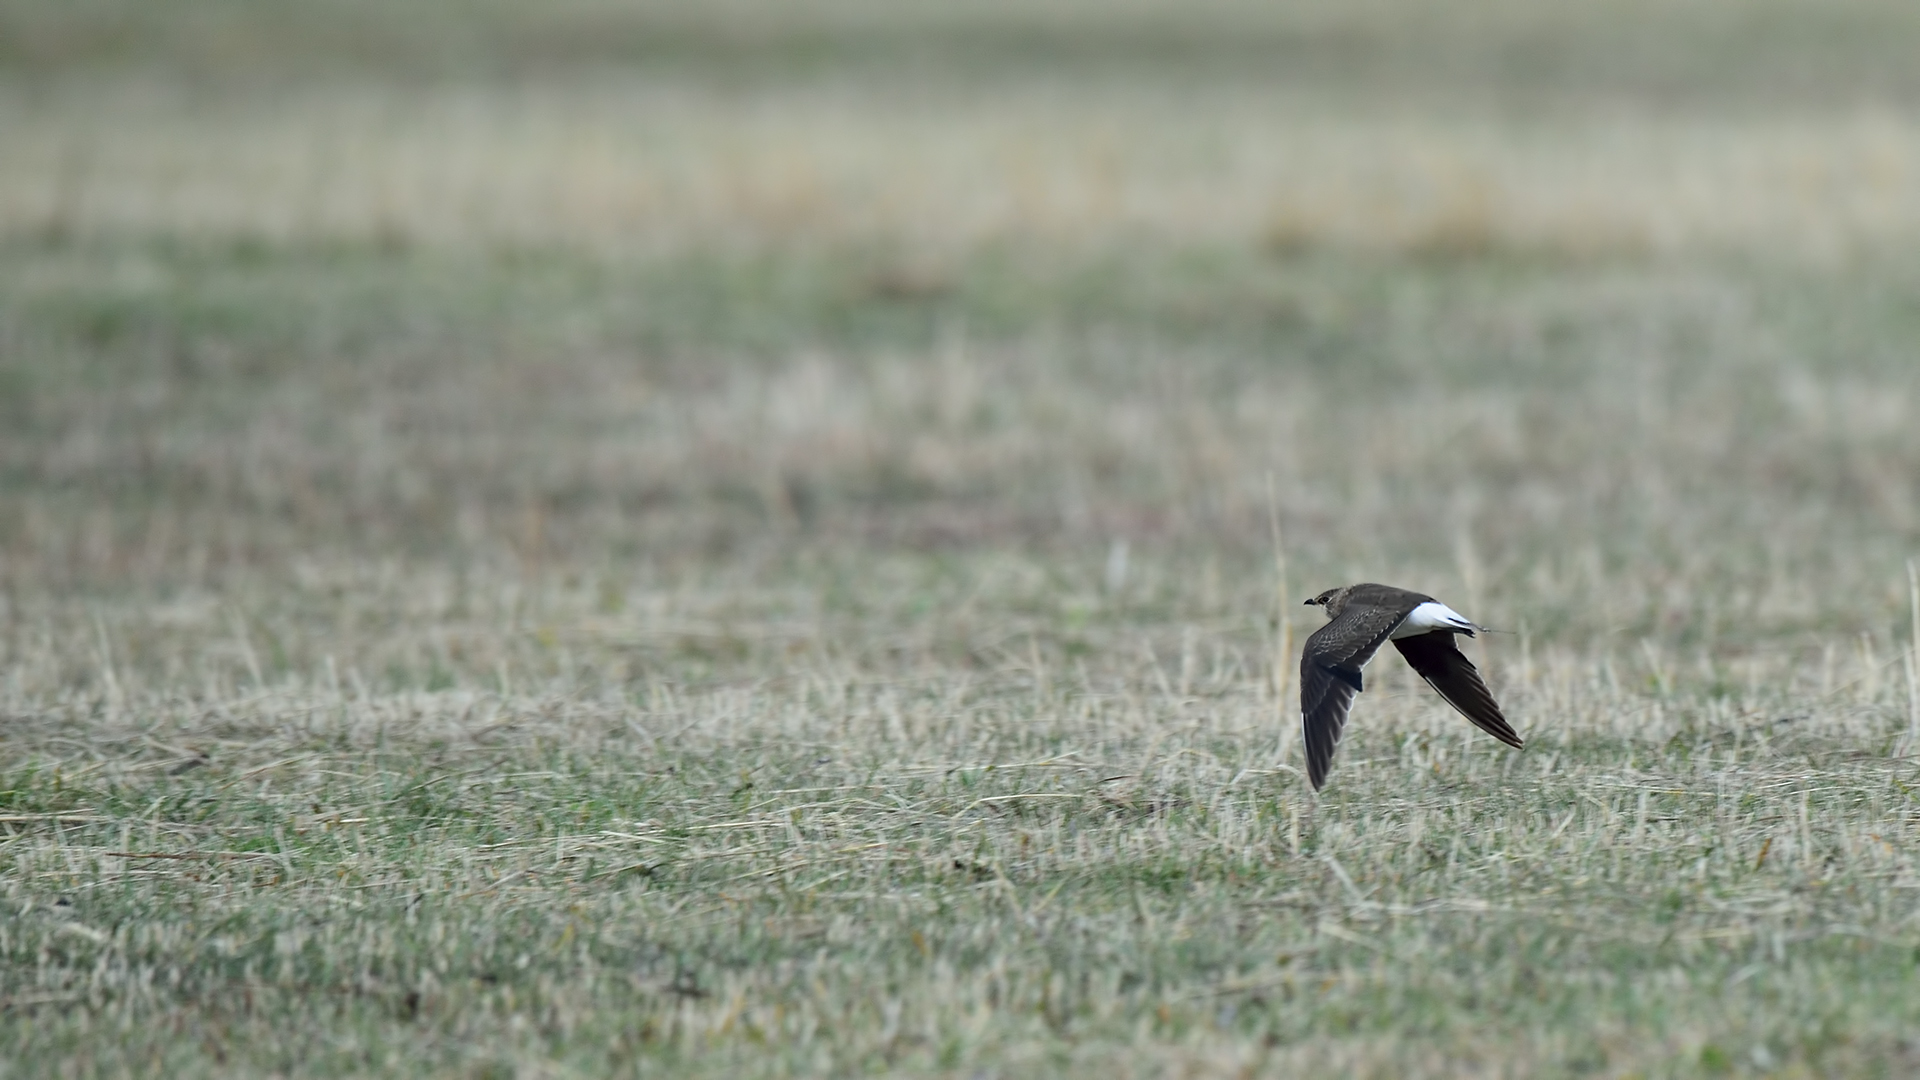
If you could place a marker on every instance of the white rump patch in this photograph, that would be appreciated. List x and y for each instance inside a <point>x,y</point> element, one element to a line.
<point>1430,616</point>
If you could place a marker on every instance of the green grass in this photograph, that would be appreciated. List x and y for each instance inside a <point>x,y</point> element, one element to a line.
<point>728,545</point>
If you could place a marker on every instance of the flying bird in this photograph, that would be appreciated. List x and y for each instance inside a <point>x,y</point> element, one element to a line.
<point>1360,619</point>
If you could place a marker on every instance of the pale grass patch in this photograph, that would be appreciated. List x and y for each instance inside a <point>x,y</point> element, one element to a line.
<point>616,165</point>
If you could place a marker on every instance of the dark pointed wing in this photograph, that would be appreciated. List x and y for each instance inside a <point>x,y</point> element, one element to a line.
<point>1330,666</point>
<point>1324,700</point>
<point>1448,670</point>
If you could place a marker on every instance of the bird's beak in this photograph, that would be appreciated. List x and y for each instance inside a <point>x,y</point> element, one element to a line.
<point>1307,603</point>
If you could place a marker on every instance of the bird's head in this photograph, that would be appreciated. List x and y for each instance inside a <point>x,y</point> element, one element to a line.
<point>1326,599</point>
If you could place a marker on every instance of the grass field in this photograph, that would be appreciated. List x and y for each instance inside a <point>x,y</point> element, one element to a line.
<point>756,539</point>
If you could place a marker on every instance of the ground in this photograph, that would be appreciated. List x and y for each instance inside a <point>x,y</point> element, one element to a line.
<point>756,539</point>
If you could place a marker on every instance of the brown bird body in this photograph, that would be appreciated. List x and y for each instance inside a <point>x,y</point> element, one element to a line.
<point>1361,618</point>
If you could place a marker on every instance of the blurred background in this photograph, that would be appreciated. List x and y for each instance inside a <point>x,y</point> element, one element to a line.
<point>458,339</point>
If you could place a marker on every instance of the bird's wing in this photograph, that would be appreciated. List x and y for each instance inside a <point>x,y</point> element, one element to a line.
<point>1448,670</point>
<point>1330,666</point>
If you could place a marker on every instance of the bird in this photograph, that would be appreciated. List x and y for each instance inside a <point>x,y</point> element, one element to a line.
<point>1360,618</point>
